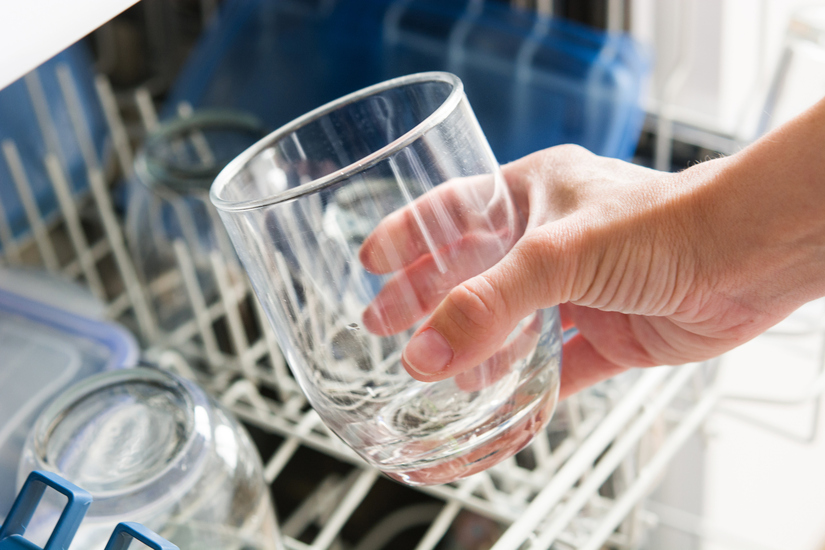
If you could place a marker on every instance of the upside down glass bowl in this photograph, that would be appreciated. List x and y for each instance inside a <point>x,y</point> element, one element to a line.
<point>403,170</point>
<point>153,448</point>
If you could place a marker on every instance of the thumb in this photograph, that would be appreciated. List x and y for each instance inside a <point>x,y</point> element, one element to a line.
<point>474,320</point>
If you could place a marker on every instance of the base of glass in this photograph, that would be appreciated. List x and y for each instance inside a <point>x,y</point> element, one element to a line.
<point>487,454</point>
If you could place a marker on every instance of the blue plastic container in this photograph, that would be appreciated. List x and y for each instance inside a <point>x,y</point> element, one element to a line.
<point>281,59</point>
<point>533,82</point>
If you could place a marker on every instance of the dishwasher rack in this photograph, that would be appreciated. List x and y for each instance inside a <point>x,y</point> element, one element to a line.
<point>581,484</point>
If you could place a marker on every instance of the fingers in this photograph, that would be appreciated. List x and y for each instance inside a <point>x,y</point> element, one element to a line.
<point>476,317</point>
<point>436,220</point>
<point>583,367</point>
<point>496,367</point>
<point>416,290</point>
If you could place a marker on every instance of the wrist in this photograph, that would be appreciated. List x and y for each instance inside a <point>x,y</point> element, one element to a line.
<point>763,217</point>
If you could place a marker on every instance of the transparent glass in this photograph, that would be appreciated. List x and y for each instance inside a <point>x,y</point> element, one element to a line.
<point>153,448</point>
<point>168,202</point>
<point>405,165</point>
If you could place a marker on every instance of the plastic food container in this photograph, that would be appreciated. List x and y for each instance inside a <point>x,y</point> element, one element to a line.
<point>533,81</point>
<point>44,349</point>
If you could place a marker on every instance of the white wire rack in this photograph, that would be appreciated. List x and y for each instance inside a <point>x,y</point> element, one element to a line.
<point>582,483</point>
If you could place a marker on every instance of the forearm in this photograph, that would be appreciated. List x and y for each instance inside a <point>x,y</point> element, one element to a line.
<point>758,219</point>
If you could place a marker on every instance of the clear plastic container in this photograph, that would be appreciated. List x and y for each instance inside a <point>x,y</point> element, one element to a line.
<point>299,206</point>
<point>44,349</point>
<point>155,449</point>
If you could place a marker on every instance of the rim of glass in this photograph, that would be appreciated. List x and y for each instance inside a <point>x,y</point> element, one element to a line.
<point>241,161</point>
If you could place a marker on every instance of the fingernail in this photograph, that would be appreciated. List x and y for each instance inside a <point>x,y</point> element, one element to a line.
<point>428,352</point>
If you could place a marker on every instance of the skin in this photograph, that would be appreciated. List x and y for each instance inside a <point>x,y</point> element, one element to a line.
<point>653,268</point>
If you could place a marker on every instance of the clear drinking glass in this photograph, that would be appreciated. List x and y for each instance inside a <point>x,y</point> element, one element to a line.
<point>154,448</point>
<point>405,164</point>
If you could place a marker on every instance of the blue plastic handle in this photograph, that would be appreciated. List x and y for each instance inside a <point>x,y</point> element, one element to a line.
<point>125,532</point>
<point>13,530</point>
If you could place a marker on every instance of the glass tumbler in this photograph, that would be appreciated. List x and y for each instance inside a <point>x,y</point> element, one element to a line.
<point>155,449</point>
<point>353,222</point>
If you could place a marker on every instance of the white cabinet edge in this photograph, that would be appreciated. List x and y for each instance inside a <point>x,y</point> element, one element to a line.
<point>32,31</point>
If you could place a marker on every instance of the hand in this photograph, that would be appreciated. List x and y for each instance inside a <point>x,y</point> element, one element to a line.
<point>653,268</point>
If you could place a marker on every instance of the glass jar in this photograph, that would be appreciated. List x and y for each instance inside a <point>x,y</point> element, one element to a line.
<point>168,202</point>
<point>155,449</point>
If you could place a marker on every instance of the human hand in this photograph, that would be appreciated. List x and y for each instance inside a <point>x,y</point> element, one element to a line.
<point>653,268</point>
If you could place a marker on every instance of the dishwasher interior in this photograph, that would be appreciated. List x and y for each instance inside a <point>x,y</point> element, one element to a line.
<point>69,206</point>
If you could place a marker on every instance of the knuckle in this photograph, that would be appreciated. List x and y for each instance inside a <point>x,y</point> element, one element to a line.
<point>570,150</point>
<point>476,304</point>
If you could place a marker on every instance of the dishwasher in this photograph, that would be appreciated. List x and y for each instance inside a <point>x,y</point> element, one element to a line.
<point>205,80</point>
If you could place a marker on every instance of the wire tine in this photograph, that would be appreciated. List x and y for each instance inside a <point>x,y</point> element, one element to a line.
<point>196,299</point>
<point>244,389</point>
<point>199,142</point>
<point>349,503</point>
<point>588,451</point>
<point>34,86</point>
<point>84,137</point>
<point>10,249</point>
<point>648,475</point>
<point>544,7</point>
<point>321,498</point>
<point>612,459</point>
<point>541,449</point>
<point>120,137</point>
<point>21,182</point>
<point>280,459</point>
<point>276,357</point>
<point>114,234</point>
<point>231,302</point>
<point>146,109</point>
<point>615,15</point>
<point>97,182</point>
<point>445,518</point>
<point>70,216</point>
